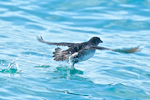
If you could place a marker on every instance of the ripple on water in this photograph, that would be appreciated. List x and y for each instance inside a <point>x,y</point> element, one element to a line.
<point>106,76</point>
<point>43,66</point>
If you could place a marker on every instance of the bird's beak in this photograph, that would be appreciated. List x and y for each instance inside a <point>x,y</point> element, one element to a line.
<point>101,41</point>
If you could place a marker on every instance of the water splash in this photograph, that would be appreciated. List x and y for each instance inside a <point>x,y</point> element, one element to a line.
<point>13,63</point>
<point>43,63</point>
<point>43,60</point>
<point>43,66</point>
<point>71,64</point>
<point>10,71</point>
<point>2,61</point>
<point>66,69</point>
<point>12,67</point>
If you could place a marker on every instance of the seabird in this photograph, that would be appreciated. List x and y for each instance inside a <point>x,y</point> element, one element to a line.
<point>78,52</point>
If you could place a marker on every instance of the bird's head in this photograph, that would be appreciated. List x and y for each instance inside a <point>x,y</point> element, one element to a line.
<point>95,40</point>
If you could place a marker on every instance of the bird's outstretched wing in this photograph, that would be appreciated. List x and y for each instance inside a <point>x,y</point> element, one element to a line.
<point>129,50</point>
<point>58,44</point>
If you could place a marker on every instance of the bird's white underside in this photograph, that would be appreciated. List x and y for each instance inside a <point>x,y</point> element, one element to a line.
<point>86,55</point>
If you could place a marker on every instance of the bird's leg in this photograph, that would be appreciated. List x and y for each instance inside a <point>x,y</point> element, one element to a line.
<point>71,65</point>
<point>71,60</point>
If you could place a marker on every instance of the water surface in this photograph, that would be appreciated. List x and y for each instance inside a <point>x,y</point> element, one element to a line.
<point>28,71</point>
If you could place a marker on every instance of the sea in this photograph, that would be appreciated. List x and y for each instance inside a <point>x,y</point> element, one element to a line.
<point>27,68</point>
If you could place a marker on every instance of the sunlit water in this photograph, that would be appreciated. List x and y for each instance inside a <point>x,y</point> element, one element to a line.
<point>28,71</point>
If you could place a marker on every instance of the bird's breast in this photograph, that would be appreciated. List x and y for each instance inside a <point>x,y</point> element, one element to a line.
<point>86,54</point>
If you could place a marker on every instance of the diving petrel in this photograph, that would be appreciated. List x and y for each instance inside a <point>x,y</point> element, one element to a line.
<point>78,52</point>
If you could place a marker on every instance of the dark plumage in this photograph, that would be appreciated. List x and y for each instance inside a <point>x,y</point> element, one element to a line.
<point>80,51</point>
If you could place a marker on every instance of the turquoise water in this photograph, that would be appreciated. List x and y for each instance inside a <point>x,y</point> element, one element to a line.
<point>28,71</point>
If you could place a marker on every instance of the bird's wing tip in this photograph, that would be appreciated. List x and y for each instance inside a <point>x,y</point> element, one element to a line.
<point>40,38</point>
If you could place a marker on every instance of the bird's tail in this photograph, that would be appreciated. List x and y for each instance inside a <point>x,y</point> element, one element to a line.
<point>60,55</point>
